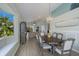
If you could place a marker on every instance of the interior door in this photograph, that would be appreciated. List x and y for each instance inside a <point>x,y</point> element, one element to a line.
<point>22,32</point>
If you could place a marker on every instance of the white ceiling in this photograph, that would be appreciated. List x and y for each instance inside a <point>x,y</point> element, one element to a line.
<point>34,11</point>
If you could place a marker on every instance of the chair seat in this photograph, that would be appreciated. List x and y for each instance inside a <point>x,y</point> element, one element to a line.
<point>52,43</point>
<point>45,46</point>
<point>59,50</point>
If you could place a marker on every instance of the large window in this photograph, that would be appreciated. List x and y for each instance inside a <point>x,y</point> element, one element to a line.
<point>6,24</point>
<point>74,5</point>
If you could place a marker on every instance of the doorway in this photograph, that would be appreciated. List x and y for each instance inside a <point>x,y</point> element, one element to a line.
<point>23,32</point>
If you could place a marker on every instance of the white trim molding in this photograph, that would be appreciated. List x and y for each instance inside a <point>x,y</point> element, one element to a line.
<point>68,23</point>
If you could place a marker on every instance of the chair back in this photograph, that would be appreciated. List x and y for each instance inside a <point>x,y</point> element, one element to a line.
<point>68,44</point>
<point>40,39</point>
<point>54,35</point>
<point>42,34</point>
<point>59,36</point>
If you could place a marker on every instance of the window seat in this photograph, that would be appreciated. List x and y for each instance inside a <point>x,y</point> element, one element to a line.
<point>9,49</point>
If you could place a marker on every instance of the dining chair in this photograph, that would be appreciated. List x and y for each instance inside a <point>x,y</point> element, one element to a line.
<point>54,38</point>
<point>59,36</point>
<point>66,47</point>
<point>37,36</point>
<point>54,35</point>
<point>59,39</point>
<point>43,45</point>
<point>27,36</point>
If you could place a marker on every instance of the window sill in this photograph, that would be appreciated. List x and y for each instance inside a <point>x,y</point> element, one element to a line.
<point>6,50</point>
<point>8,45</point>
<point>6,40</point>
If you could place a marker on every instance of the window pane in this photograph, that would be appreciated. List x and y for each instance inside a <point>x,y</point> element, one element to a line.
<point>6,24</point>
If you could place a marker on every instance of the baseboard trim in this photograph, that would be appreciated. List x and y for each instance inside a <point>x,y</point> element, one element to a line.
<point>75,50</point>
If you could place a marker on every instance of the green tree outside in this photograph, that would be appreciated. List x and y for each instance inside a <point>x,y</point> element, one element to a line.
<point>6,27</point>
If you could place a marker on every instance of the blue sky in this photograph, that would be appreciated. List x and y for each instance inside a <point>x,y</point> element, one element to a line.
<point>5,14</point>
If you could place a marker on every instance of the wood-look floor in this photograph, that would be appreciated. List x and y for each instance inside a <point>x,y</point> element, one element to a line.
<point>32,48</point>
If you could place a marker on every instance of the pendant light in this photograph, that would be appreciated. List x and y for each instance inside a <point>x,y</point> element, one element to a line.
<point>49,18</point>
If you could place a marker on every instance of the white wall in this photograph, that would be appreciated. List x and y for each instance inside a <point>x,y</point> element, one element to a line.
<point>68,24</point>
<point>13,49</point>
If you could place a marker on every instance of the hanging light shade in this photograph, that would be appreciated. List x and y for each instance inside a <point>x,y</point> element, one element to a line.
<point>49,19</point>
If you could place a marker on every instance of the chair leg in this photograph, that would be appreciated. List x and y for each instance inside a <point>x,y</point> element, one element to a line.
<point>54,51</point>
<point>70,53</point>
<point>61,53</point>
<point>41,51</point>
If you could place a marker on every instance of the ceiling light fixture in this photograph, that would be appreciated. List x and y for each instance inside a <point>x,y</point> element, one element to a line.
<point>49,18</point>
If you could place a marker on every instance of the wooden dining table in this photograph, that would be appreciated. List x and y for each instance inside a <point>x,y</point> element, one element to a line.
<point>49,39</point>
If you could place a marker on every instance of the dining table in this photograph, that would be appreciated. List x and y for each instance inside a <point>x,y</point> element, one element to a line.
<point>48,38</point>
